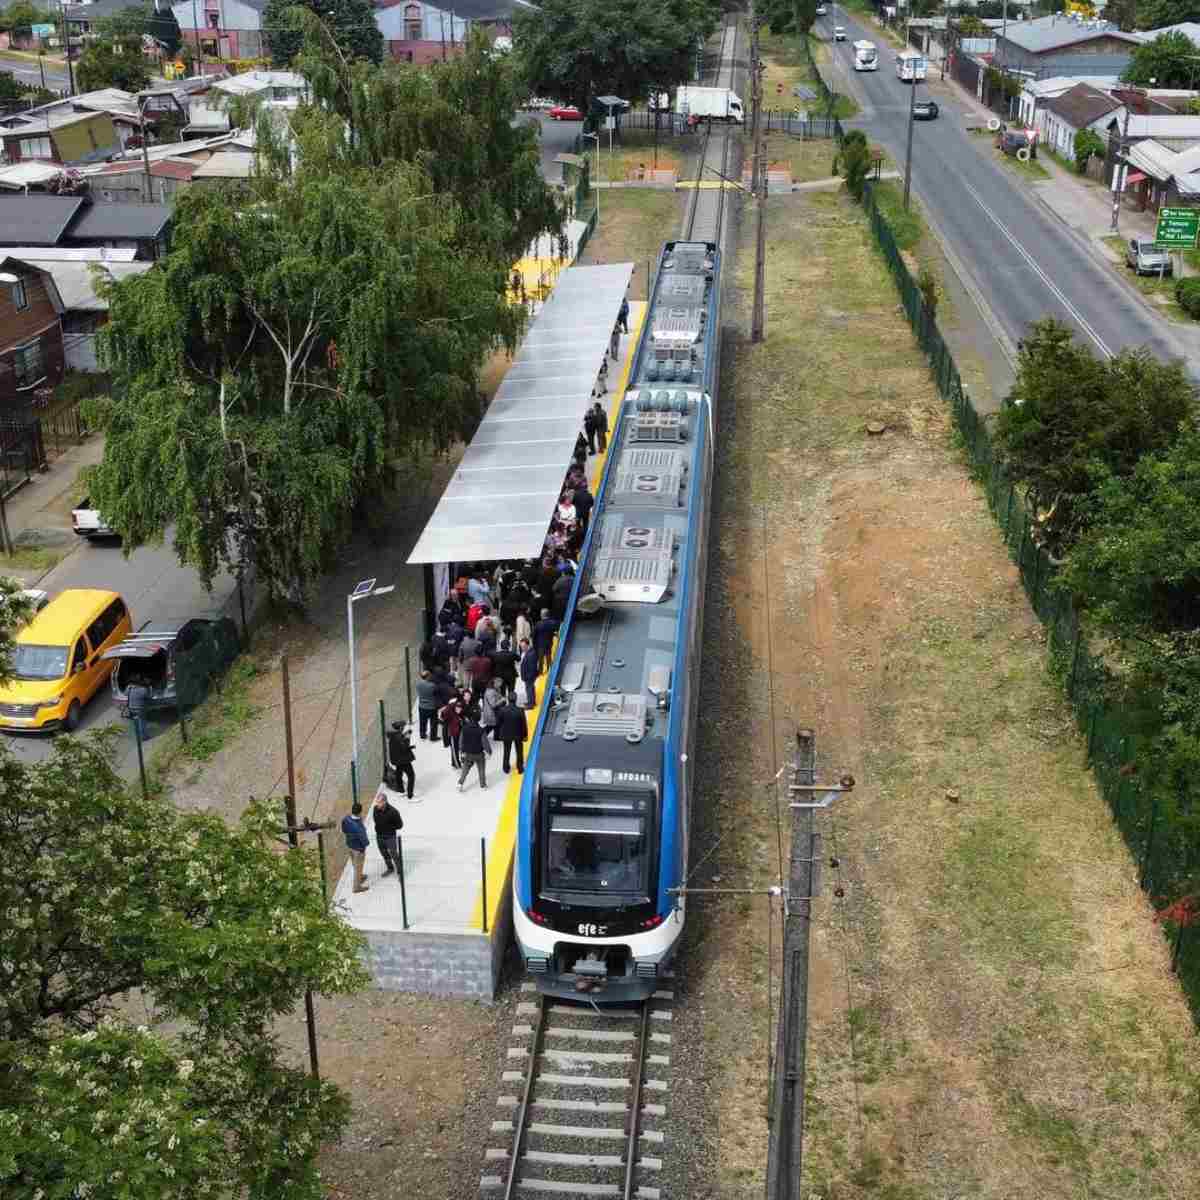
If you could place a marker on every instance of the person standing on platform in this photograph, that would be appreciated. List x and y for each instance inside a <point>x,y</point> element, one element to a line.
<point>388,823</point>
<point>589,427</point>
<point>583,501</point>
<point>514,730</point>
<point>357,842</point>
<point>543,639</point>
<point>474,751</point>
<point>529,673</point>
<point>427,706</point>
<point>614,342</point>
<point>623,316</point>
<point>505,660</point>
<point>601,419</point>
<point>522,630</point>
<point>451,716</point>
<point>401,757</point>
<point>489,708</point>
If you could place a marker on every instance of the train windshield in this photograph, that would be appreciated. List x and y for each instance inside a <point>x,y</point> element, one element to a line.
<point>597,852</point>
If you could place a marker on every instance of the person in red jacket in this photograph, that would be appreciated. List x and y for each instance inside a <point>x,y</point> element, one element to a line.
<point>476,611</point>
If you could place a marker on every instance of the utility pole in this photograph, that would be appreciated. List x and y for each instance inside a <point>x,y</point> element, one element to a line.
<point>759,186</point>
<point>912,104</point>
<point>67,49</point>
<point>1119,167</point>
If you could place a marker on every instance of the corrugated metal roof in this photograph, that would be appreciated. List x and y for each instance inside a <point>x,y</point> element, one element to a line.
<point>36,220</point>
<point>1164,127</point>
<point>1053,33</point>
<point>76,285</point>
<point>1081,105</point>
<point>500,500</point>
<point>1155,160</point>
<point>27,174</point>
<point>73,253</point>
<point>226,164</point>
<point>122,221</point>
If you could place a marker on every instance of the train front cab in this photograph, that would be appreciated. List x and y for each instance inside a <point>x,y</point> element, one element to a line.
<point>594,928</point>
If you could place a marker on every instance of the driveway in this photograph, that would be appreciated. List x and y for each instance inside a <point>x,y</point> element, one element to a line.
<point>1023,260</point>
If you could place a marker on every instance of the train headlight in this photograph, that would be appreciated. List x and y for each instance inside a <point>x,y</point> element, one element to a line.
<point>652,922</point>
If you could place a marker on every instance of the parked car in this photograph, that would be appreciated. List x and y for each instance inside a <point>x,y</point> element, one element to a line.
<point>839,33</point>
<point>1144,256</point>
<point>58,660</point>
<point>925,110</point>
<point>88,523</point>
<point>538,103</point>
<point>174,660</point>
<point>565,112</point>
<point>821,10</point>
<point>1011,138</point>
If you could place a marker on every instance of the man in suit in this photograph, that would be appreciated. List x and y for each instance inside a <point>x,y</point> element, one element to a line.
<point>543,638</point>
<point>401,757</point>
<point>529,673</point>
<point>514,729</point>
<point>583,501</point>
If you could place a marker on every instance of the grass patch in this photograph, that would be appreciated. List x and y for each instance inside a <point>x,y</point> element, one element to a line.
<point>634,223</point>
<point>1031,169</point>
<point>991,1008</point>
<point>786,67</point>
<point>226,712</point>
<point>807,160</point>
<point>907,225</point>
<point>35,560</point>
<point>634,150</point>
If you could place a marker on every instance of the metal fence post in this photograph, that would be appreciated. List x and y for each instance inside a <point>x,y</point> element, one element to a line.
<point>483,879</point>
<point>1074,664</point>
<point>1175,948</point>
<point>383,736</point>
<point>1145,866</point>
<point>1091,730</point>
<point>403,891</point>
<point>407,683</point>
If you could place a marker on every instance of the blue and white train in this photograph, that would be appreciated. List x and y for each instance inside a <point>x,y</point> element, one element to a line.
<point>602,839</point>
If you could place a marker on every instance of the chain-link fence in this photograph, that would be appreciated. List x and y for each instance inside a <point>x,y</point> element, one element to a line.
<point>1160,830</point>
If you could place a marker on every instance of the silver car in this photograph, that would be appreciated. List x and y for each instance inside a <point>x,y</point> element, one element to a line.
<point>1144,256</point>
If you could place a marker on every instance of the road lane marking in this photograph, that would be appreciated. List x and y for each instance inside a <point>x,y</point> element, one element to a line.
<point>1075,314</point>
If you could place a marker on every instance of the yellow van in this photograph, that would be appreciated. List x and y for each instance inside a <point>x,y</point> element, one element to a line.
<point>57,663</point>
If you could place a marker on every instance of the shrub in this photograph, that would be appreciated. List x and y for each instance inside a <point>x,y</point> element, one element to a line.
<point>1187,296</point>
<point>927,284</point>
<point>1087,143</point>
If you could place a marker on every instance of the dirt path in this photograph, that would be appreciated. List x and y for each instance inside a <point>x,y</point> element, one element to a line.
<point>992,1011</point>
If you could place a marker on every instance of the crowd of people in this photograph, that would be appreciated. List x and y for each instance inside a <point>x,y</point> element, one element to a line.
<point>494,638</point>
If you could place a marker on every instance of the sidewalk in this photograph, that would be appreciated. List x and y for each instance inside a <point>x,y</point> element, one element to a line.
<point>39,512</point>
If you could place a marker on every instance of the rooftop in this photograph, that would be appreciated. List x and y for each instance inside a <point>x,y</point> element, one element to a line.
<point>1081,105</point>
<point>43,120</point>
<point>122,221</point>
<point>27,174</point>
<point>226,164</point>
<point>1057,84</point>
<point>250,83</point>
<point>76,283</point>
<point>36,220</point>
<point>1164,127</point>
<point>1055,32</point>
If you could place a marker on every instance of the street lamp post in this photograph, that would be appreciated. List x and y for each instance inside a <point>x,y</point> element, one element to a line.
<point>596,137</point>
<point>361,592</point>
<point>912,105</point>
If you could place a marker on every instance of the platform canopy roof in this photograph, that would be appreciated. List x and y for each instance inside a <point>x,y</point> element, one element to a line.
<point>501,499</point>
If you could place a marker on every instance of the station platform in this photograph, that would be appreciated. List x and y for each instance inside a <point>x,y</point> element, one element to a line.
<point>445,928</point>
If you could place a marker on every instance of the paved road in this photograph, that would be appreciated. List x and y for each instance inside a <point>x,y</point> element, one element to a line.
<point>557,137</point>
<point>155,587</point>
<point>1022,258</point>
<point>29,72</point>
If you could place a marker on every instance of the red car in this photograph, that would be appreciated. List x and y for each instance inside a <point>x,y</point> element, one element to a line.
<point>565,112</point>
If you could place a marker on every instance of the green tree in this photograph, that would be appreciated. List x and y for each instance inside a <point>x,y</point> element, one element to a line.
<point>1122,13</point>
<point>1164,61</point>
<point>971,26</point>
<point>108,893</point>
<point>116,58</point>
<point>578,49</point>
<point>1070,414</point>
<point>22,14</point>
<point>855,162</point>
<point>1088,143</point>
<point>15,610</point>
<point>11,88</point>
<point>349,23</point>
<point>455,120</point>
<point>296,339</point>
<point>1157,14</point>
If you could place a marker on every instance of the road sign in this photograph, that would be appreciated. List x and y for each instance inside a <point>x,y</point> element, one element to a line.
<point>1177,228</point>
<point>42,31</point>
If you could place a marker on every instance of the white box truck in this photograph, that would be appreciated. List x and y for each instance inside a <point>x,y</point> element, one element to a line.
<point>866,57</point>
<point>718,103</point>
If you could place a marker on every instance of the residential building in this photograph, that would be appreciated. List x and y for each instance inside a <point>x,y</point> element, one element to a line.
<point>31,340</point>
<point>1080,107</point>
<point>1172,132</point>
<point>1063,45</point>
<point>209,114</point>
<point>1037,93</point>
<point>223,29</point>
<point>83,311</point>
<point>62,136</point>
<point>419,32</point>
<point>125,182</point>
<point>50,221</point>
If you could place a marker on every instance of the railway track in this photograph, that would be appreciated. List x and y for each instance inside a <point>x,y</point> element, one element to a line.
<point>704,220</point>
<point>592,1084</point>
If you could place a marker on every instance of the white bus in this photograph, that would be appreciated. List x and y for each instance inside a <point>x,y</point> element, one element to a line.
<point>866,57</point>
<point>910,66</point>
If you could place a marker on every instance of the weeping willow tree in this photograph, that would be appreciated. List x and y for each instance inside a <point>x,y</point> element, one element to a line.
<point>295,338</point>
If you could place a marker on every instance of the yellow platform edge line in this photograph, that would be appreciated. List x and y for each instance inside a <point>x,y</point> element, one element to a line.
<point>504,840</point>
